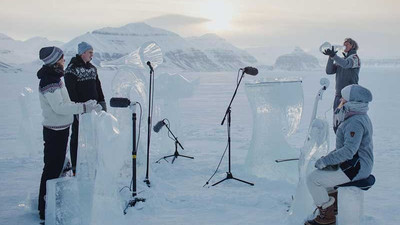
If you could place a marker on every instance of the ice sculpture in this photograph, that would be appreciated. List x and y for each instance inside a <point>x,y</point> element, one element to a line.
<point>148,52</point>
<point>86,166</point>
<point>170,89</point>
<point>81,200</point>
<point>110,157</point>
<point>130,81</point>
<point>315,146</point>
<point>327,45</point>
<point>276,107</point>
<point>26,130</point>
<point>62,202</point>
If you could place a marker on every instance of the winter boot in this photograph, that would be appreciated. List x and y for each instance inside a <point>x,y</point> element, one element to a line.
<point>334,195</point>
<point>326,214</point>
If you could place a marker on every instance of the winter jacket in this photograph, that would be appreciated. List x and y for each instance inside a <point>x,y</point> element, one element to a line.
<point>346,69</point>
<point>354,147</point>
<point>82,81</point>
<point>57,108</point>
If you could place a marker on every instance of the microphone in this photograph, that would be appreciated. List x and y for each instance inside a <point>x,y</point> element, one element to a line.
<point>149,64</point>
<point>158,126</point>
<point>120,102</point>
<point>250,70</point>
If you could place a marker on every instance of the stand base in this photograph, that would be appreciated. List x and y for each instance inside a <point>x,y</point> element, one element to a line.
<point>147,181</point>
<point>133,202</point>
<point>175,155</point>
<point>230,176</point>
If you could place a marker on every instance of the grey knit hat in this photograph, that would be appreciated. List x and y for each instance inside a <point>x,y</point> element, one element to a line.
<point>50,55</point>
<point>356,93</point>
<point>83,47</point>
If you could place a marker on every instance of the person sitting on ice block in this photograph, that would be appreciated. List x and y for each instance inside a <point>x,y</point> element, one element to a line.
<point>351,160</point>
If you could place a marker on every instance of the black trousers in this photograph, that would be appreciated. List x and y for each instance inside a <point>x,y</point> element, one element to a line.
<point>55,147</point>
<point>73,144</point>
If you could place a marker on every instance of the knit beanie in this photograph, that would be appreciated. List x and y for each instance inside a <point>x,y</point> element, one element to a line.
<point>83,47</point>
<point>50,55</point>
<point>356,93</point>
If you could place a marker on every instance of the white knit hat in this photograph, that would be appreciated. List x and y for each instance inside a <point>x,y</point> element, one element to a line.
<point>356,93</point>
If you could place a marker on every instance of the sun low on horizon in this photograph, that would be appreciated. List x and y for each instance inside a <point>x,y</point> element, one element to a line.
<point>220,13</point>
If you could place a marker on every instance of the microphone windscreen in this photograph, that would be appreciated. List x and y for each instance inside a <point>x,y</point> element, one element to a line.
<point>158,126</point>
<point>120,102</point>
<point>251,70</point>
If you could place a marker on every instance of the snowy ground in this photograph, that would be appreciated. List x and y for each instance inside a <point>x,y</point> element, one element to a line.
<point>177,195</point>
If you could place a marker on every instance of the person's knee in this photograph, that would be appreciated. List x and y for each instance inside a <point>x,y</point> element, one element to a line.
<point>313,179</point>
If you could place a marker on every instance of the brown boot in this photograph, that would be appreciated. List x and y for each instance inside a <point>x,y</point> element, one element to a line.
<point>334,195</point>
<point>326,214</point>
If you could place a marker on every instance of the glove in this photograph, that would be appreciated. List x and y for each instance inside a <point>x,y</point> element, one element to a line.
<point>90,105</point>
<point>330,52</point>
<point>103,105</point>
<point>319,164</point>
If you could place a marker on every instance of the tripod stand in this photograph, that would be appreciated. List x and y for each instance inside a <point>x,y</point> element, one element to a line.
<point>228,114</point>
<point>176,153</point>
<point>135,199</point>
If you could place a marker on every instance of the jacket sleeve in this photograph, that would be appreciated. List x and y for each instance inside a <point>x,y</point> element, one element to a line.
<point>346,63</point>
<point>71,81</point>
<point>353,133</point>
<point>62,107</point>
<point>330,67</point>
<point>100,99</point>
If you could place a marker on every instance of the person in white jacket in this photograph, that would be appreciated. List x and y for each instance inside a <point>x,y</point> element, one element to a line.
<point>57,111</point>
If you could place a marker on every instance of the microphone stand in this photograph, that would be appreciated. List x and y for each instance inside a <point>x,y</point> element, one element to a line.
<point>146,180</point>
<point>135,199</point>
<point>176,153</point>
<point>228,115</point>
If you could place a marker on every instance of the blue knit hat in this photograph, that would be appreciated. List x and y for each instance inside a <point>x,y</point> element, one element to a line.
<point>50,55</point>
<point>356,93</point>
<point>83,47</point>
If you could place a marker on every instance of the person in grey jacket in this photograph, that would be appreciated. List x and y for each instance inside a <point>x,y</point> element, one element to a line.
<point>353,157</point>
<point>346,69</point>
<point>57,111</point>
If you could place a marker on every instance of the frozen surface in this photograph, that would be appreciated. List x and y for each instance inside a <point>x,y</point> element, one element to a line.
<point>177,195</point>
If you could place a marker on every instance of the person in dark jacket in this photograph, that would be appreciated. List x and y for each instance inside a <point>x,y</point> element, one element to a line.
<point>57,111</point>
<point>353,157</point>
<point>83,83</point>
<point>346,69</point>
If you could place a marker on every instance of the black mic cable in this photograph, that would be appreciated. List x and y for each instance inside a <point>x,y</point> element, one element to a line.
<point>220,161</point>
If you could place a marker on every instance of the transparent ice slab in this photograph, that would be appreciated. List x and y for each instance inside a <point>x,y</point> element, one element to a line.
<point>276,106</point>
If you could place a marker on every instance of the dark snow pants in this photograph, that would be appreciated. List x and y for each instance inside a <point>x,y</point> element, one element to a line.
<point>73,144</point>
<point>55,146</point>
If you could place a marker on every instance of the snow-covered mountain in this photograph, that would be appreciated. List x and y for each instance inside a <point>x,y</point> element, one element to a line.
<point>221,52</point>
<point>205,53</point>
<point>4,67</point>
<point>298,60</point>
<point>14,52</point>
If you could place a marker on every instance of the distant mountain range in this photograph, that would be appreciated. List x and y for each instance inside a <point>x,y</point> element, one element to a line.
<point>206,53</point>
<point>14,52</point>
<point>298,60</point>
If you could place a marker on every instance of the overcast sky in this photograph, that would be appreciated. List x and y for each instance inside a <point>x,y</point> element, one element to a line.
<point>375,24</point>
